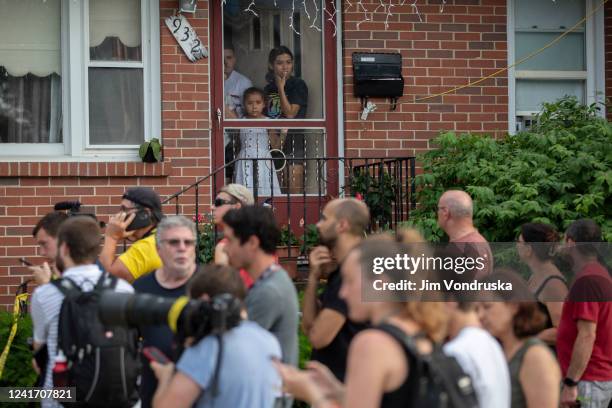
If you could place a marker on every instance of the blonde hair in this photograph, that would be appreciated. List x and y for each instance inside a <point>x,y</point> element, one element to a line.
<point>409,236</point>
<point>430,316</point>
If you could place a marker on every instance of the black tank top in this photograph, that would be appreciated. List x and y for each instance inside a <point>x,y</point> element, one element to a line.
<point>542,305</point>
<point>404,395</point>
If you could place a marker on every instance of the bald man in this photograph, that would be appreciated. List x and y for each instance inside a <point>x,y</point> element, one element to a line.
<point>455,209</point>
<point>324,320</point>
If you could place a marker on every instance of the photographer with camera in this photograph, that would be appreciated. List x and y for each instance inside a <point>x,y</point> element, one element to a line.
<point>245,379</point>
<point>176,240</point>
<point>45,234</point>
<point>139,214</point>
<point>78,245</point>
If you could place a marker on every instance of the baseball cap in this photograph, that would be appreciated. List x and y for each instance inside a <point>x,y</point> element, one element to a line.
<point>240,193</point>
<point>145,197</point>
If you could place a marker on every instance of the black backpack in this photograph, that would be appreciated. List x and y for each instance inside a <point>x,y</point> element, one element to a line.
<point>103,362</point>
<point>442,383</point>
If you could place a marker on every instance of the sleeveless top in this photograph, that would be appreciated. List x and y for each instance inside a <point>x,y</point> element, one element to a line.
<point>404,395</point>
<point>514,365</point>
<point>542,305</point>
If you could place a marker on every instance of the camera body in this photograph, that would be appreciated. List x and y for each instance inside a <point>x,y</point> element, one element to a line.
<point>75,208</point>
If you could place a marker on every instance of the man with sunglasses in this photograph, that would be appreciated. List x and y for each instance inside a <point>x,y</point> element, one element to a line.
<point>231,196</point>
<point>176,241</point>
<point>139,214</point>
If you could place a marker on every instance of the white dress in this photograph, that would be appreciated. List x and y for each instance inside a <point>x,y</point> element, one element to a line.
<point>254,144</point>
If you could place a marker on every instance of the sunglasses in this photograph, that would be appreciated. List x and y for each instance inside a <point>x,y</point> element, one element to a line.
<point>219,202</point>
<point>175,242</point>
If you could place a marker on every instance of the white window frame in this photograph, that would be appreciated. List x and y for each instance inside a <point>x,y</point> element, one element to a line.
<point>594,75</point>
<point>75,102</point>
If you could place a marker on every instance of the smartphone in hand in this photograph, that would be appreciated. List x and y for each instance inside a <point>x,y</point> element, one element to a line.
<point>155,354</point>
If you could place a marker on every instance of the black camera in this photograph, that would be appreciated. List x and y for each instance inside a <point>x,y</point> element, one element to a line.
<point>75,208</point>
<point>185,317</point>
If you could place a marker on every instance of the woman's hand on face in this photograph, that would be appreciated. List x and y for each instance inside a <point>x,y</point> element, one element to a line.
<point>281,80</point>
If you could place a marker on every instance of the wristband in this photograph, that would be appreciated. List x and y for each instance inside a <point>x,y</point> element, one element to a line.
<point>569,382</point>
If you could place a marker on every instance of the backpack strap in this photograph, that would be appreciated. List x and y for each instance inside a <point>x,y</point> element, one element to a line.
<point>66,286</point>
<point>405,340</point>
<point>101,284</point>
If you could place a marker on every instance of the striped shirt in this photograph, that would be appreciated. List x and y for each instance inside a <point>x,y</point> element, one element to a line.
<point>46,305</point>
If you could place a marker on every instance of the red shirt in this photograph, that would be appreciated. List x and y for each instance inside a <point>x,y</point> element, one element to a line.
<point>593,285</point>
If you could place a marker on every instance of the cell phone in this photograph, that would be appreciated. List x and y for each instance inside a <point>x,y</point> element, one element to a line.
<point>26,262</point>
<point>154,354</point>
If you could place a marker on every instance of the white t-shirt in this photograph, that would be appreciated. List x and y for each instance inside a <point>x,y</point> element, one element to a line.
<point>481,356</point>
<point>234,88</point>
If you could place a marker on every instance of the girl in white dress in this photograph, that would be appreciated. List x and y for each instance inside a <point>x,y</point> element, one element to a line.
<point>254,144</point>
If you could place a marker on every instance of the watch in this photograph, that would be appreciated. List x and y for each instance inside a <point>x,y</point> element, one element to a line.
<point>569,382</point>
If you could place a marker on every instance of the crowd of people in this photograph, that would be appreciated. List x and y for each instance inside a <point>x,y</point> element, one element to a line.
<point>501,352</point>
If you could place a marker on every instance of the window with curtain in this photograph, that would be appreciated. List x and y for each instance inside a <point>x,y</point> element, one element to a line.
<point>116,92</point>
<point>30,80</point>
<point>557,71</point>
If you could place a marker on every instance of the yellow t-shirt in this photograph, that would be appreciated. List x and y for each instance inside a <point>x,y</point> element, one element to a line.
<point>142,258</point>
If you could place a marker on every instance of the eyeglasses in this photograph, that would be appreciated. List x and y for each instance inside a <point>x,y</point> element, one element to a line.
<point>175,242</point>
<point>219,202</point>
<point>125,209</point>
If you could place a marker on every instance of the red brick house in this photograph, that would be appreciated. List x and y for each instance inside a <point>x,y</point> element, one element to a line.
<point>84,83</point>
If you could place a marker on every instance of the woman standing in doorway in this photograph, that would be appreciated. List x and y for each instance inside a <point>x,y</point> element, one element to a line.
<point>287,98</point>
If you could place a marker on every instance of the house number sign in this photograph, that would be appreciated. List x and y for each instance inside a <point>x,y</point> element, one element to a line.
<point>186,37</point>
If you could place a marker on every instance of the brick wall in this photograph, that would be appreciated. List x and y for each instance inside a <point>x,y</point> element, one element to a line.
<point>463,42</point>
<point>29,190</point>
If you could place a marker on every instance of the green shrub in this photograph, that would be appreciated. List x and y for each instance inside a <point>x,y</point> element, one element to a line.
<point>556,173</point>
<point>18,371</point>
<point>378,192</point>
<point>206,243</point>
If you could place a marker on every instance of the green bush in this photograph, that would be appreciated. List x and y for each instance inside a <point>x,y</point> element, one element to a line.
<point>556,173</point>
<point>206,243</point>
<point>378,192</point>
<point>18,371</point>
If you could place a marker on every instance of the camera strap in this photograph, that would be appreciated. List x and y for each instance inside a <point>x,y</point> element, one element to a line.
<point>214,382</point>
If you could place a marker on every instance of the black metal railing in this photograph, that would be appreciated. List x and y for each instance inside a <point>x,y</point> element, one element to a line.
<point>386,185</point>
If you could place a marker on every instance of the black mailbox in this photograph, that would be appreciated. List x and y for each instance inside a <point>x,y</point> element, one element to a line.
<point>378,74</point>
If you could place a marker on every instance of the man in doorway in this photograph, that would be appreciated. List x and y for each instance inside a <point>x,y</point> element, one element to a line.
<point>176,240</point>
<point>139,214</point>
<point>234,86</point>
<point>325,320</point>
